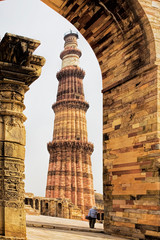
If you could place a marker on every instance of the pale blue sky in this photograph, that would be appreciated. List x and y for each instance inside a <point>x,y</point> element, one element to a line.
<point>33,19</point>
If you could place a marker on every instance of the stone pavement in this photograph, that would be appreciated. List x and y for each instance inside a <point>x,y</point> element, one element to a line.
<point>49,228</point>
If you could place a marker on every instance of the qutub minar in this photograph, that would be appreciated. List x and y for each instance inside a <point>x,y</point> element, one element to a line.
<point>70,171</point>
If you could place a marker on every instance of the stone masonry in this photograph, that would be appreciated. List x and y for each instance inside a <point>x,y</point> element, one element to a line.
<point>55,207</point>
<point>58,207</point>
<point>125,37</point>
<point>18,69</point>
<point>70,173</point>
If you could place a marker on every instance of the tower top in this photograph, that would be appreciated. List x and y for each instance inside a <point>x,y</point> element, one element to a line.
<point>71,32</point>
<point>71,54</point>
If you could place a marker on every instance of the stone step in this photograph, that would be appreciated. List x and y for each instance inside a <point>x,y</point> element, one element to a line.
<point>29,210</point>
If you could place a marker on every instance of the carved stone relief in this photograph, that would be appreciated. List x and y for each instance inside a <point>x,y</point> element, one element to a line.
<point>15,55</point>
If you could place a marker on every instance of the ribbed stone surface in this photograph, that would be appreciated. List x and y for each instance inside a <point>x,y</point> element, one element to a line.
<point>70,173</point>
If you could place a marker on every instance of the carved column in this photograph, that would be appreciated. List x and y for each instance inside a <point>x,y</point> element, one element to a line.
<point>18,69</point>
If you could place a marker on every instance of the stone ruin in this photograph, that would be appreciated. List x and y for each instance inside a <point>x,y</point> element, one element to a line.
<point>18,69</point>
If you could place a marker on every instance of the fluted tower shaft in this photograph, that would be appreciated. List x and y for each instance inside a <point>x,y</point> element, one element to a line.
<point>70,172</point>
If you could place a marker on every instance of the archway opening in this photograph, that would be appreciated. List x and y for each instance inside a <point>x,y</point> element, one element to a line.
<point>42,95</point>
<point>26,201</point>
<point>37,204</point>
<point>31,202</point>
<point>46,206</point>
<point>59,210</point>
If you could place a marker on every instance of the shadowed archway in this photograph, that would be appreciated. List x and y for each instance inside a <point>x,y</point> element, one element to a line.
<point>124,37</point>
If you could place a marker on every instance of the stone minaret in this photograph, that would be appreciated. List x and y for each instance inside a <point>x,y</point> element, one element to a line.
<point>70,172</point>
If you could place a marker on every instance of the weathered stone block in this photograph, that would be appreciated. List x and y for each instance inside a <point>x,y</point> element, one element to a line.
<point>16,227</point>
<point>9,149</point>
<point>15,134</point>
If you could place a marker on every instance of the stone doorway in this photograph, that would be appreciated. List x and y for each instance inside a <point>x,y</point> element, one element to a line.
<point>59,210</point>
<point>37,204</point>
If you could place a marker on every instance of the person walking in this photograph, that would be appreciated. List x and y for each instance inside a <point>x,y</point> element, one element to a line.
<point>92,217</point>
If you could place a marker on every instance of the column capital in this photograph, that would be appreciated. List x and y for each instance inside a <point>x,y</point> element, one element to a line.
<point>17,60</point>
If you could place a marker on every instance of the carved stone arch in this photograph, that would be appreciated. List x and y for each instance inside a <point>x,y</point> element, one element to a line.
<point>124,34</point>
<point>110,24</point>
<point>140,9</point>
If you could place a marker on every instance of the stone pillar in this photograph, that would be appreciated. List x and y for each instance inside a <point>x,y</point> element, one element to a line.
<point>70,211</point>
<point>18,69</point>
<point>55,208</point>
<point>39,206</point>
<point>34,205</point>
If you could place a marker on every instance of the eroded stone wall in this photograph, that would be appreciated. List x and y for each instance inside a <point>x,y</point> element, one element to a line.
<point>53,207</point>
<point>58,207</point>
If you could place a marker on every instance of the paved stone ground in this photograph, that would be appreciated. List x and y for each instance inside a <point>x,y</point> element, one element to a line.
<point>61,221</point>
<point>57,234</point>
<point>49,228</point>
